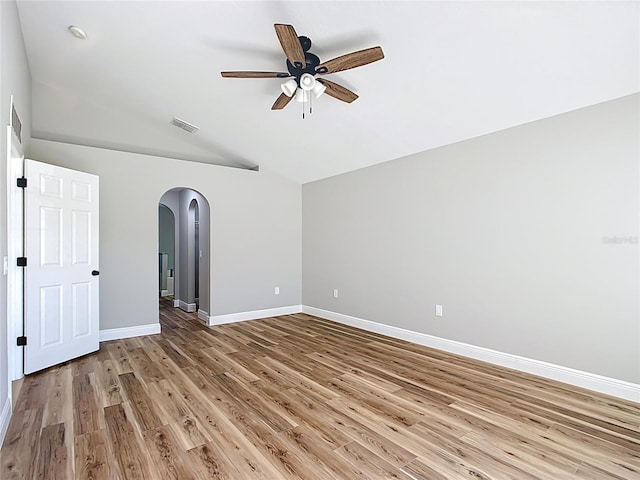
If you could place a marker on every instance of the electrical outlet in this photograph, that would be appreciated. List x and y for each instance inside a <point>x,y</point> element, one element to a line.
<point>335,293</point>
<point>276,291</point>
<point>438,310</point>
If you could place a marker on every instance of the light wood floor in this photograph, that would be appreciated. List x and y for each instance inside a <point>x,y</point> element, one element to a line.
<point>300,397</point>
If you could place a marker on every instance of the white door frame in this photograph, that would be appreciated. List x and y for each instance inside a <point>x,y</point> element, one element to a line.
<point>15,235</point>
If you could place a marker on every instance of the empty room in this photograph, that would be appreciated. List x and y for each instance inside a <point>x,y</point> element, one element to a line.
<point>320,240</point>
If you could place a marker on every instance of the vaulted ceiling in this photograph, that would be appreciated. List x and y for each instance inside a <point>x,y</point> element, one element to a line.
<point>452,71</point>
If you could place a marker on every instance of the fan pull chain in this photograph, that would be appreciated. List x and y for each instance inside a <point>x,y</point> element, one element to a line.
<point>304,104</point>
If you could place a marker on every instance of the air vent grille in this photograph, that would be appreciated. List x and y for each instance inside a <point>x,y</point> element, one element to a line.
<point>186,126</point>
<point>16,124</point>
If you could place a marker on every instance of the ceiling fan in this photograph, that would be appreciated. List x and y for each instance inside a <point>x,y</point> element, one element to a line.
<point>303,66</point>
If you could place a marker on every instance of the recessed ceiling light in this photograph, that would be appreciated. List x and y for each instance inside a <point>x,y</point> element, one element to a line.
<point>77,32</point>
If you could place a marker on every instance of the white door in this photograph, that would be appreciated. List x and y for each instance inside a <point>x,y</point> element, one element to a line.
<point>61,282</point>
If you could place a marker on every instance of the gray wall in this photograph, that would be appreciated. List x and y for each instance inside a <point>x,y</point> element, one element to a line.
<point>255,235</point>
<point>15,79</point>
<point>510,232</point>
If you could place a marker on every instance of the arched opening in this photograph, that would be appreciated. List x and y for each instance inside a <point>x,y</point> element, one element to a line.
<point>191,260</point>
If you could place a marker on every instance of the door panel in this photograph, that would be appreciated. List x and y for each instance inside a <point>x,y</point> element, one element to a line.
<point>50,315</point>
<point>61,239</point>
<point>50,237</point>
<point>81,240</point>
<point>81,308</point>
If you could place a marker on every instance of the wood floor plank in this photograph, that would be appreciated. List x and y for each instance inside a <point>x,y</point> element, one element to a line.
<point>300,397</point>
<point>382,406</point>
<point>254,334</point>
<point>207,464</point>
<point>487,460</point>
<point>266,412</point>
<point>320,392</point>
<point>108,383</point>
<point>140,402</point>
<point>119,356</point>
<point>59,406</point>
<point>273,375</point>
<point>291,460</point>
<point>178,356</point>
<point>367,464</point>
<point>93,457</point>
<point>21,444</point>
<point>85,413</point>
<point>621,463</point>
<point>527,438</point>
<point>317,452</point>
<point>306,411</point>
<point>400,435</point>
<point>510,453</point>
<point>162,445</point>
<point>145,368</point>
<point>231,367</point>
<point>191,389</point>
<point>419,471</point>
<point>229,448</point>
<point>52,460</point>
<point>132,459</point>
<point>175,410</point>
<point>34,388</point>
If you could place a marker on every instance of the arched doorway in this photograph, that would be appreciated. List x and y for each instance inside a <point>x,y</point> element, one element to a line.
<point>191,267</point>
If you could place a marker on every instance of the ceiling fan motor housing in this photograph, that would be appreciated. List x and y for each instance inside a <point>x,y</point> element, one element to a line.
<point>311,60</point>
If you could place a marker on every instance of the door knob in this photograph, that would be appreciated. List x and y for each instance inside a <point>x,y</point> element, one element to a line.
<point>95,273</point>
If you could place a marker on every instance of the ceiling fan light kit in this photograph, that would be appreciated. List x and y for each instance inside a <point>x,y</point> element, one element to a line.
<point>318,89</point>
<point>302,96</point>
<point>303,66</point>
<point>289,87</point>
<point>307,81</point>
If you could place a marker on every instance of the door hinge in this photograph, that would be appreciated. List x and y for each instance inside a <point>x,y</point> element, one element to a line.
<point>21,182</point>
<point>22,261</point>
<point>21,341</point>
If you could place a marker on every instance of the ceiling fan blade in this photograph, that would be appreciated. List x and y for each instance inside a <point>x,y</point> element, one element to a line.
<point>290,44</point>
<point>338,91</point>
<point>255,74</point>
<point>351,60</point>
<point>282,101</point>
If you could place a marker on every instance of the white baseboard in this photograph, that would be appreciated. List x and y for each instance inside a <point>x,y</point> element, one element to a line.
<point>128,332</point>
<point>176,303</point>
<point>5,418</point>
<point>591,381</point>
<point>244,316</point>
<point>187,307</point>
<point>164,293</point>
<point>204,316</point>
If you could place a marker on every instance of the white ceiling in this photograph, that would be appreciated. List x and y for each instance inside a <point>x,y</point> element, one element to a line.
<point>453,71</point>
